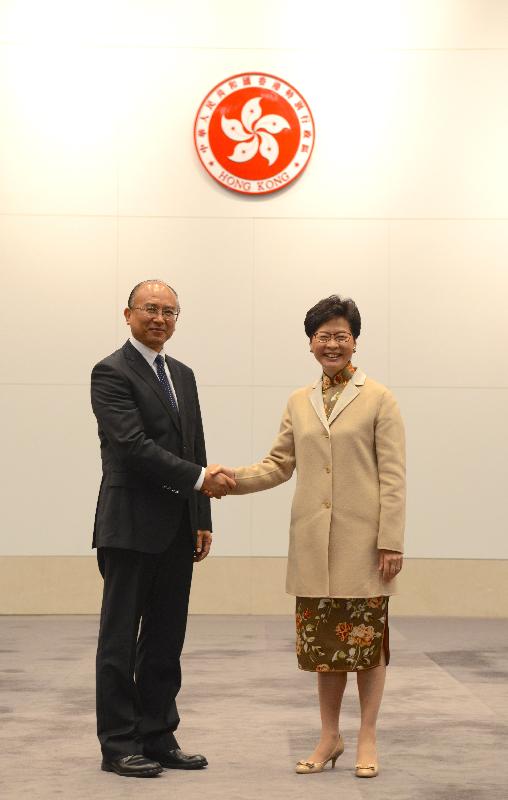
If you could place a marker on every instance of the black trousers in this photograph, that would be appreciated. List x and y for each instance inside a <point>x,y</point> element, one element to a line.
<point>138,666</point>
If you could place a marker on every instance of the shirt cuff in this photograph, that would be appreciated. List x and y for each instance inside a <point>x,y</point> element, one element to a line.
<point>199,482</point>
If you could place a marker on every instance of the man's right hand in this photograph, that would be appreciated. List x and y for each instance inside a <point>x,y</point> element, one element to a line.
<point>218,481</point>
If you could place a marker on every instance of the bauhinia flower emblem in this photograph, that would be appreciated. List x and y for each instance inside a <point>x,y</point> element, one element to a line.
<point>254,133</point>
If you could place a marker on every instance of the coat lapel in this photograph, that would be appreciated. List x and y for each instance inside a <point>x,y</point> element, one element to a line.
<point>316,398</point>
<point>348,395</point>
<point>143,369</point>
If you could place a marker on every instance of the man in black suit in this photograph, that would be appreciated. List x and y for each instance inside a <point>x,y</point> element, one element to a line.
<point>152,521</point>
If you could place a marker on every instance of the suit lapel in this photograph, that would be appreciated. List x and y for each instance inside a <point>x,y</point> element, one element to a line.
<point>179,384</point>
<point>144,370</point>
<point>350,392</point>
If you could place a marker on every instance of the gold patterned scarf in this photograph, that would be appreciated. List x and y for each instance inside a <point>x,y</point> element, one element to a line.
<point>332,387</point>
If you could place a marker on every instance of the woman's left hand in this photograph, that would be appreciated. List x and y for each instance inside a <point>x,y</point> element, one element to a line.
<point>389,564</point>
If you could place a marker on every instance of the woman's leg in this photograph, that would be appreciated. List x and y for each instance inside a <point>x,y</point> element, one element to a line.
<point>331,687</point>
<point>370,689</point>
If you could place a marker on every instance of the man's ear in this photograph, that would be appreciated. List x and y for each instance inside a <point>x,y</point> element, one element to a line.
<point>127,315</point>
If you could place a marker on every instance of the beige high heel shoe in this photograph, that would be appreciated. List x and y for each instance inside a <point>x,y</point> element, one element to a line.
<point>366,770</point>
<point>308,767</point>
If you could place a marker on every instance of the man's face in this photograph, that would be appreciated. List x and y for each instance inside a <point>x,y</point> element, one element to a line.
<point>152,329</point>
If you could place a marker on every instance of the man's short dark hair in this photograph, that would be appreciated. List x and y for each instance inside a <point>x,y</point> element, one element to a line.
<point>330,307</point>
<point>149,280</point>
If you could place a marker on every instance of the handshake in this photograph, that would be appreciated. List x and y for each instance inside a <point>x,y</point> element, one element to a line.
<point>218,481</point>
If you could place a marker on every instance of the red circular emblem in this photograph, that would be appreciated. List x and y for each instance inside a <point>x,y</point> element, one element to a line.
<point>254,133</point>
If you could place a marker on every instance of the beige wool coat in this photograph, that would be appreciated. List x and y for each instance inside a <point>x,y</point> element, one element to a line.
<point>350,489</point>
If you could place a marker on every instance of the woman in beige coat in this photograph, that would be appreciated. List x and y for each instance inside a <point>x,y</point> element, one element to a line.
<point>345,438</point>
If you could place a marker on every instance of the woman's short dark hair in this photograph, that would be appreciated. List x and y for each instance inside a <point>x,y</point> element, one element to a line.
<point>330,307</point>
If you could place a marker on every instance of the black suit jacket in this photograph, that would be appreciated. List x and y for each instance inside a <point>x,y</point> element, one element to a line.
<point>151,455</point>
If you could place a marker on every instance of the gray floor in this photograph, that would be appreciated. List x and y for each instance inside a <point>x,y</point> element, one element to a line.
<point>443,731</point>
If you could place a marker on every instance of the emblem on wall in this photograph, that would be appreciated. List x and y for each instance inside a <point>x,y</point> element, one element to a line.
<point>254,133</point>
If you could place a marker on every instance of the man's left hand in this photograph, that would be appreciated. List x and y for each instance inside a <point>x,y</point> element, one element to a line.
<point>203,545</point>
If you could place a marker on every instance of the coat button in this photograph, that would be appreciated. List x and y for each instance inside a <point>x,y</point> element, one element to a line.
<point>327,469</point>
<point>327,504</point>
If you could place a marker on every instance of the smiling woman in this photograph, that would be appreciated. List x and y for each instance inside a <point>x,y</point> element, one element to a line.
<point>333,327</point>
<point>345,436</point>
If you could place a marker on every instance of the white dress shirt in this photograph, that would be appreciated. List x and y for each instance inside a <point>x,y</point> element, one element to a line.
<point>150,355</point>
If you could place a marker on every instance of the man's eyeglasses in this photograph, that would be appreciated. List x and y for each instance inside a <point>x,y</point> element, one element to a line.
<point>154,311</point>
<point>340,338</point>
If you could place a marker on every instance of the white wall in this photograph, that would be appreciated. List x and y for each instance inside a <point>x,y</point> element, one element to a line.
<point>404,206</point>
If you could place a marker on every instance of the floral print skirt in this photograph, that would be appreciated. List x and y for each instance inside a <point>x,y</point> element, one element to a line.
<point>341,634</point>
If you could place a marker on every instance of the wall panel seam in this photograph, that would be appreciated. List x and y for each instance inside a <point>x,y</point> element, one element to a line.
<point>291,387</point>
<point>240,218</point>
<point>21,43</point>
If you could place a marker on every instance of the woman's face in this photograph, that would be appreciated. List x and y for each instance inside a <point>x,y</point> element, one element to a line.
<point>333,353</point>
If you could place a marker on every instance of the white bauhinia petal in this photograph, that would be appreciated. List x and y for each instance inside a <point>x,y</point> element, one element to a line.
<point>268,148</point>
<point>233,129</point>
<point>244,151</point>
<point>251,112</point>
<point>272,123</point>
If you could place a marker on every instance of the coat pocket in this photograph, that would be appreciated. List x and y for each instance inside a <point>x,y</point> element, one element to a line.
<point>124,479</point>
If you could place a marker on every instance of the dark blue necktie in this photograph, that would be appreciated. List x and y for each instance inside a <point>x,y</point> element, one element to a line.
<point>163,378</point>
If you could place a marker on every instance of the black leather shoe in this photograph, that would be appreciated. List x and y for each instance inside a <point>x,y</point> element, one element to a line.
<point>135,766</point>
<point>176,759</point>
